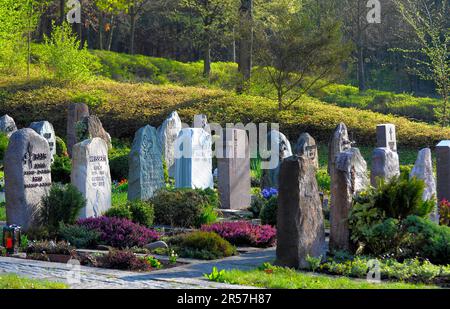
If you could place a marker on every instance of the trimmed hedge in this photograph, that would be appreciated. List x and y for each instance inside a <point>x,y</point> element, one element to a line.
<point>127,107</point>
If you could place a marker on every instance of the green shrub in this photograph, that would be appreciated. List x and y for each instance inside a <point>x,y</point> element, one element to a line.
<point>122,211</point>
<point>3,145</point>
<point>118,163</point>
<point>202,245</point>
<point>269,211</point>
<point>61,148</point>
<point>184,207</point>
<point>61,169</point>
<point>78,236</point>
<point>256,205</point>
<point>61,205</point>
<point>142,212</point>
<point>323,180</point>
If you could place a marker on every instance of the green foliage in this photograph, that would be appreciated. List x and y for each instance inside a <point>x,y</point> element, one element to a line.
<point>122,211</point>
<point>216,275</point>
<point>142,212</point>
<point>185,207</point>
<point>93,99</point>
<point>79,236</point>
<point>61,205</point>
<point>3,145</point>
<point>3,211</point>
<point>61,148</point>
<point>269,211</point>
<point>10,281</point>
<point>62,54</point>
<point>61,169</point>
<point>313,262</point>
<point>256,205</point>
<point>202,245</point>
<point>323,180</point>
<point>118,163</point>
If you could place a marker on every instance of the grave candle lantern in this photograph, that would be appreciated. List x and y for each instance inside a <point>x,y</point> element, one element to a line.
<point>11,238</point>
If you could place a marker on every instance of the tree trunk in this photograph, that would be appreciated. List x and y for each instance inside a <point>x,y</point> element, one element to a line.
<point>100,31</point>
<point>80,27</point>
<point>234,46</point>
<point>111,33</point>
<point>361,70</point>
<point>133,28</point>
<point>62,6</point>
<point>245,41</point>
<point>207,62</point>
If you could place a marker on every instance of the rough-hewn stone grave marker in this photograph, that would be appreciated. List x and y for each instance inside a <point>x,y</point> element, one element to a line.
<point>269,178</point>
<point>45,129</point>
<point>306,146</point>
<point>7,125</point>
<point>385,165</point>
<point>387,136</point>
<point>75,113</point>
<point>168,134</point>
<point>443,170</point>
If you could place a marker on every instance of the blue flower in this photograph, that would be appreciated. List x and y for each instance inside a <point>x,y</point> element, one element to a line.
<point>269,192</point>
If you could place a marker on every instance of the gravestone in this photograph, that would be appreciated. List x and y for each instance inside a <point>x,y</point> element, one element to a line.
<point>7,125</point>
<point>306,146</point>
<point>168,134</point>
<point>201,121</point>
<point>91,176</point>
<point>234,170</point>
<point>385,165</point>
<point>350,178</point>
<point>339,142</point>
<point>90,127</point>
<point>146,173</point>
<point>269,178</point>
<point>300,226</point>
<point>27,177</point>
<point>386,136</point>
<point>193,159</point>
<point>443,170</point>
<point>45,129</point>
<point>423,169</point>
<point>75,113</point>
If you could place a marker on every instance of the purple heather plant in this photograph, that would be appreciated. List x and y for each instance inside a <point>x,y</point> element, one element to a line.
<point>120,232</point>
<point>244,233</point>
<point>267,193</point>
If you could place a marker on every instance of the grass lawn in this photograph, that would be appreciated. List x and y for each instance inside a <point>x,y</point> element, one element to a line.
<point>283,278</point>
<point>10,281</point>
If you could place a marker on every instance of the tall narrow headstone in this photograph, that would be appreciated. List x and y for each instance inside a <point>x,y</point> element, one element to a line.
<point>146,173</point>
<point>385,165</point>
<point>90,127</point>
<point>91,175</point>
<point>300,226</point>
<point>386,136</point>
<point>350,178</point>
<point>443,170</point>
<point>7,125</point>
<point>234,170</point>
<point>269,178</point>
<point>193,159</point>
<point>201,121</point>
<point>306,146</point>
<point>76,112</point>
<point>45,129</point>
<point>27,177</point>
<point>423,169</point>
<point>168,134</point>
<point>339,142</point>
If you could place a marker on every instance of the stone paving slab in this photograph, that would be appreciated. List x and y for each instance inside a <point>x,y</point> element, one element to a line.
<point>184,277</point>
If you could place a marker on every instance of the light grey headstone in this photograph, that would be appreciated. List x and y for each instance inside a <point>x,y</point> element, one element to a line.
<point>234,170</point>
<point>269,178</point>
<point>443,170</point>
<point>27,177</point>
<point>423,169</point>
<point>7,125</point>
<point>385,165</point>
<point>387,136</point>
<point>168,134</point>
<point>350,178</point>
<point>339,142</point>
<point>45,129</point>
<point>90,127</point>
<point>146,173</point>
<point>201,121</point>
<point>193,159</point>
<point>92,177</point>
<point>75,113</point>
<point>300,225</point>
<point>306,146</point>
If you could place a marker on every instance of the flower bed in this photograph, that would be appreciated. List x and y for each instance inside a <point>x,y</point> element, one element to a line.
<point>244,233</point>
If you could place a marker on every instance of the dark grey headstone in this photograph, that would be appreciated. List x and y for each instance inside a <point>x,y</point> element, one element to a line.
<point>234,170</point>
<point>27,177</point>
<point>75,113</point>
<point>386,136</point>
<point>339,142</point>
<point>300,227</point>
<point>146,173</point>
<point>443,170</point>
<point>7,125</point>
<point>90,127</point>
<point>306,146</point>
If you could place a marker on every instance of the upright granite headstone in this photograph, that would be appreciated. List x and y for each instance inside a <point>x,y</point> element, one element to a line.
<point>339,142</point>
<point>7,125</point>
<point>45,129</point>
<point>386,136</point>
<point>234,170</point>
<point>350,178</point>
<point>146,173</point>
<point>90,127</point>
<point>443,170</point>
<point>201,121</point>
<point>423,169</point>
<point>91,175</point>
<point>193,159</point>
<point>76,112</point>
<point>168,134</point>
<point>269,178</point>
<point>27,177</point>
<point>300,227</point>
<point>385,165</point>
<point>306,146</point>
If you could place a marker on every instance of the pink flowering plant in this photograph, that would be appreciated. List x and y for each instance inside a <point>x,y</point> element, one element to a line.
<point>120,232</point>
<point>244,233</point>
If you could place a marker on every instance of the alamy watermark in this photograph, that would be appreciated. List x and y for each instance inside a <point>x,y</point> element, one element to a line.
<point>374,14</point>
<point>74,14</point>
